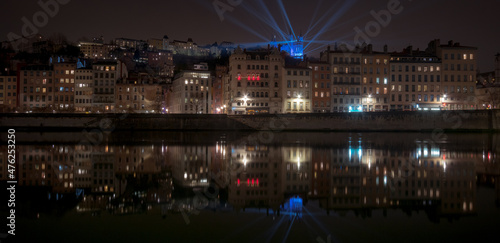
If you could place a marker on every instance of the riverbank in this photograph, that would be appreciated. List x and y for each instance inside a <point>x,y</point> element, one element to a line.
<point>418,121</point>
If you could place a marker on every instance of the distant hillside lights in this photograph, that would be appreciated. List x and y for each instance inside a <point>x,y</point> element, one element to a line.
<point>39,20</point>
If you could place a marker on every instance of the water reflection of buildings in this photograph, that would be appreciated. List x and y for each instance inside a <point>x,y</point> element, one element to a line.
<point>256,177</point>
<point>426,178</point>
<point>190,165</point>
<point>351,175</point>
<point>47,165</point>
<point>297,161</point>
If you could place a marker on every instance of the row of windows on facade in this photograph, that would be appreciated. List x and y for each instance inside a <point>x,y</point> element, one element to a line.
<point>44,74</point>
<point>104,68</point>
<point>135,107</point>
<point>257,94</point>
<point>347,60</point>
<point>42,98</point>
<point>195,95</point>
<point>420,88</point>
<point>257,84</point>
<point>322,104</point>
<point>83,101</point>
<point>104,75</point>
<point>419,68</point>
<point>44,81</point>
<point>49,89</point>
<point>192,108</point>
<point>87,77</point>
<point>8,94</point>
<point>8,86</point>
<point>301,84</point>
<point>256,76</point>
<point>297,94</point>
<point>104,83</point>
<point>104,91</point>
<point>302,106</point>
<point>452,78</point>
<point>323,76</point>
<point>128,97</point>
<point>352,70</point>
<point>459,56</point>
<point>196,81</point>
<point>202,88</point>
<point>129,89</point>
<point>415,98</point>
<point>37,73</point>
<point>294,73</point>
<point>8,79</point>
<point>322,68</point>
<point>253,104</point>
<point>259,67</point>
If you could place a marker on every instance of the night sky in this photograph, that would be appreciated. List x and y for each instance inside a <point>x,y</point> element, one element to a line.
<point>472,23</point>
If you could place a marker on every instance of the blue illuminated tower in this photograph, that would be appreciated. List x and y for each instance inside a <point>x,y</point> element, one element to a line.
<point>294,46</point>
<point>297,47</point>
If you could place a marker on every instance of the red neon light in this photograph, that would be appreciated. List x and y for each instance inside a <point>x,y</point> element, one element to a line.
<point>248,78</point>
<point>238,181</point>
<point>239,77</point>
<point>248,181</point>
<point>258,78</point>
<point>257,181</point>
<point>252,181</point>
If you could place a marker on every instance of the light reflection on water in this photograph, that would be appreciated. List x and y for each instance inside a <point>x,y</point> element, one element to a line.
<point>334,174</point>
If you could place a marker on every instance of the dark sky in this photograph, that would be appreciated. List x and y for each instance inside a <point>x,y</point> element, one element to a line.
<point>472,23</point>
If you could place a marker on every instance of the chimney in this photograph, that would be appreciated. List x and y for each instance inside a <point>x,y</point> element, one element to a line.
<point>370,48</point>
<point>450,43</point>
<point>385,49</point>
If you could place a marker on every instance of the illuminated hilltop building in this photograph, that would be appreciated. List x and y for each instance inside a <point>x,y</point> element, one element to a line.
<point>294,46</point>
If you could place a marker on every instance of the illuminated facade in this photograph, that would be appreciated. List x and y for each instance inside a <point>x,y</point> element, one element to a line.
<point>8,92</point>
<point>254,85</point>
<point>296,90</point>
<point>92,50</point>
<point>415,82</point>
<point>106,75</point>
<point>218,89</point>
<point>84,82</point>
<point>346,78</point>
<point>458,74</point>
<point>64,93</point>
<point>375,80</point>
<point>139,94</point>
<point>191,93</point>
<point>321,86</point>
<point>37,88</point>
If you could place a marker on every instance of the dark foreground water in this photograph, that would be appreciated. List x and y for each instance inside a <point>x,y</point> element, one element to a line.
<point>255,187</point>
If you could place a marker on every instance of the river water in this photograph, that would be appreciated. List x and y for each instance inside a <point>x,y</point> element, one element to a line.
<point>256,187</point>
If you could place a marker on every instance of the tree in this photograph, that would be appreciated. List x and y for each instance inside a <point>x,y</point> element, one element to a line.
<point>488,96</point>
